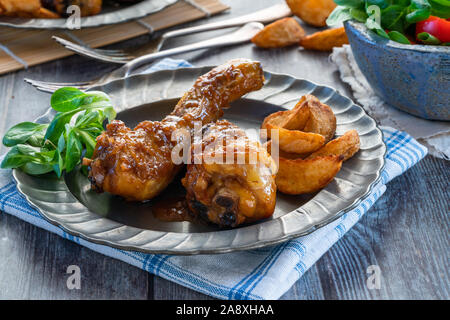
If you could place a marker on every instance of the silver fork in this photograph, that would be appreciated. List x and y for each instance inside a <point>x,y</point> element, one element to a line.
<point>124,56</point>
<point>241,35</point>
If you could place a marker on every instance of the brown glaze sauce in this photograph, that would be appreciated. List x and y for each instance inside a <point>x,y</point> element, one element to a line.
<point>172,210</point>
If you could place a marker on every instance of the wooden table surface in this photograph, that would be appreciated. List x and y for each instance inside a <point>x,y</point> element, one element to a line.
<point>406,233</point>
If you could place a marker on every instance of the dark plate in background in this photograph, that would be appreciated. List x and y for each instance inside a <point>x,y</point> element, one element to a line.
<point>109,15</point>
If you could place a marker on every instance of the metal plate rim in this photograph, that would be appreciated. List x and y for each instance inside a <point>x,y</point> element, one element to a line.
<point>219,249</point>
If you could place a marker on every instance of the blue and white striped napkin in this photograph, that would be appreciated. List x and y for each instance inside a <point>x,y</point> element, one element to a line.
<point>265,273</point>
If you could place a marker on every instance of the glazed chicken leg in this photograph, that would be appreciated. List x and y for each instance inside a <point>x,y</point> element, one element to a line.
<point>48,8</point>
<point>136,164</point>
<point>87,7</point>
<point>232,180</point>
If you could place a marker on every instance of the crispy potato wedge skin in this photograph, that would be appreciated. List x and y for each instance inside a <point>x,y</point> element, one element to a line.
<point>321,119</point>
<point>283,154</point>
<point>305,128</point>
<point>281,33</point>
<point>297,118</point>
<point>274,120</point>
<point>346,146</point>
<point>305,164</point>
<point>325,40</point>
<point>299,176</point>
<point>313,12</point>
<point>294,119</point>
<point>295,141</point>
<point>309,115</point>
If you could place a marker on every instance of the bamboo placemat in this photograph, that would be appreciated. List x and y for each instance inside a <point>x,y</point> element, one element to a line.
<point>33,47</point>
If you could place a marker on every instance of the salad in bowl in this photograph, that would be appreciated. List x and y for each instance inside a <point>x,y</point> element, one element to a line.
<point>403,49</point>
<point>405,21</point>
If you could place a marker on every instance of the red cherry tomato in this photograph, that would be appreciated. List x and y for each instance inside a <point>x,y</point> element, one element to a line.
<point>440,28</point>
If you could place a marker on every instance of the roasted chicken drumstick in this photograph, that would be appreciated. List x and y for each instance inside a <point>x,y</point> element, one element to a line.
<point>136,164</point>
<point>47,8</point>
<point>87,7</point>
<point>233,179</point>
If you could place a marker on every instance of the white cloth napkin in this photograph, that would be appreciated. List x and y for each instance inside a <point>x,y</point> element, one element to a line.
<point>435,135</point>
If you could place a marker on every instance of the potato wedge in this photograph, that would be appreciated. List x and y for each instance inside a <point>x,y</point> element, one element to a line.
<point>313,12</point>
<point>299,176</point>
<point>296,141</point>
<point>346,146</point>
<point>321,118</point>
<point>281,33</point>
<point>294,119</point>
<point>309,114</point>
<point>325,40</point>
<point>283,154</point>
<point>297,118</point>
<point>274,120</point>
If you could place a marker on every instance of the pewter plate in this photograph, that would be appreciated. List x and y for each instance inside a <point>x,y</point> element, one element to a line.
<point>110,15</point>
<point>101,218</point>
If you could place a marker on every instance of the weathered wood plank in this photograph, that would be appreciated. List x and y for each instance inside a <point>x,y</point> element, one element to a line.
<point>34,265</point>
<point>405,234</point>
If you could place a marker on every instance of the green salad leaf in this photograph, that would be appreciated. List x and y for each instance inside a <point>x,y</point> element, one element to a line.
<point>427,38</point>
<point>59,145</point>
<point>417,15</point>
<point>440,8</point>
<point>391,19</point>
<point>397,36</point>
<point>339,15</point>
<point>30,132</point>
<point>67,100</point>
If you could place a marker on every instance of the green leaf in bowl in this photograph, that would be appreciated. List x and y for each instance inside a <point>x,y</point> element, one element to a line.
<point>427,38</point>
<point>398,37</point>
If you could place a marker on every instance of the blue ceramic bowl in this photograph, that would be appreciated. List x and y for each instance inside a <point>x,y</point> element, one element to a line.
<point>413,78</point>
